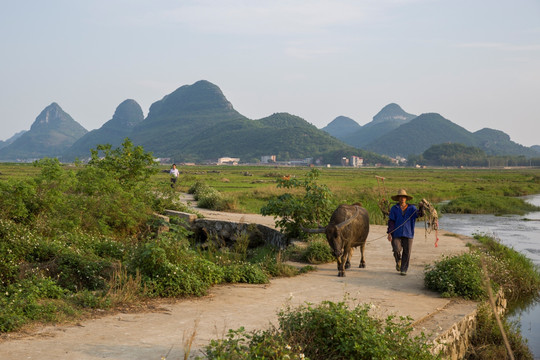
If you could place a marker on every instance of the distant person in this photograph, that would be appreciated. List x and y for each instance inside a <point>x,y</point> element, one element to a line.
<point>401,221</point>
<point>174,175</point>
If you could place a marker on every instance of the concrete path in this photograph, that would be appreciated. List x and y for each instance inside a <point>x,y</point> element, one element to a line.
<point>162,334</point>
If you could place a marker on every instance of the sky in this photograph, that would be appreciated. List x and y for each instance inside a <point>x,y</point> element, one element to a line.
<point>475,62</point>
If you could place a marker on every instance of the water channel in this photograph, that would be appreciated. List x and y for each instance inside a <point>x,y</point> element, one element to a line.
<point>517,233</point>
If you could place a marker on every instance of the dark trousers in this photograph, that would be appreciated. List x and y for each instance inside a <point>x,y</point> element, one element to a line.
<point>401,247</point>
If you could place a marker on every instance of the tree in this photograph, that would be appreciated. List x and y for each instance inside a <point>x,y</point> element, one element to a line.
<point>292,212</point>
<point>129,164</point>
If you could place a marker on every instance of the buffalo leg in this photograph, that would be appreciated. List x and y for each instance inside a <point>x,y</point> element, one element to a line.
<point>341,264</point>
<point>348,262</point>
<point>362,261</point>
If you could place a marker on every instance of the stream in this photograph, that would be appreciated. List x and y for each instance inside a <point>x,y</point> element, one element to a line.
<point>517,233</point>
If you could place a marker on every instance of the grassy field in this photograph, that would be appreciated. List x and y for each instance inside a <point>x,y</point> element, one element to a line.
<point>248,188</point>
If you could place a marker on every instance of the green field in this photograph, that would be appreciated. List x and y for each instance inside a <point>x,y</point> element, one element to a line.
<point>248,188</point>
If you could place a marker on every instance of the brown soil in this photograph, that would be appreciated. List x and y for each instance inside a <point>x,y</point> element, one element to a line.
<point>164,332</point>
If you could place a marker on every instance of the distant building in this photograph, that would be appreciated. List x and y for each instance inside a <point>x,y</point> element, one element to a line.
<point>356,161</point>
<point>228,161</point>
<point>303,162</point>
<point>268,159</point>
<point>163,161</point>
<point>344,161</point>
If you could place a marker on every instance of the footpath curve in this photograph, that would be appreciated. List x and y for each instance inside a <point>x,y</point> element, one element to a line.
<point>162,334</point>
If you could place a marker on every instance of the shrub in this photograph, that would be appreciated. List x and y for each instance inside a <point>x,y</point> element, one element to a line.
<point>318,252</point>
<point>487,341</point>
<point>209,198</point>
<point>292,212</point>
<point>514,272</point>
<point>333,331</point>
<point>326,331</point>
<point>26,300</point>
<point>459,275</point>
<point>245,273</point>
<point>240,344</point>
<point>174,272</point>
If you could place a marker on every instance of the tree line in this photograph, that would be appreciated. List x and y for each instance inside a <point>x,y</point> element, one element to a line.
<point>455,154</point>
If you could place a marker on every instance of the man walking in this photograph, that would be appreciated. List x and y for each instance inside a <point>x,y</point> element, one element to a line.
<point>401,222</point>
<point>174,175</point>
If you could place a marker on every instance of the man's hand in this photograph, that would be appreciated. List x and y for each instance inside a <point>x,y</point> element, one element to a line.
<point>389,237</point>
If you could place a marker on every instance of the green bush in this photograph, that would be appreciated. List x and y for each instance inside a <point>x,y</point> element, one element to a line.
<point>459,275</point>
<point>294,212</point>
<point>318,252</point>
<point>245,273</point>
<point>240,344</point>
<point>334,331</point>
<point>326,331</point>
<point>174,272</point>
<point>518,276</point>
<point>26,300</point>
<point>209,198</point>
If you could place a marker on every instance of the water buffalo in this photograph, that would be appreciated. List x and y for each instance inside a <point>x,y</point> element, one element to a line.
<point>347,229</point>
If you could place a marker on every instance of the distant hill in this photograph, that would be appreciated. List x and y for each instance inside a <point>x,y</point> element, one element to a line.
<point>392,112</point>
<point>127,115</point>
<point>196,122</point>
<point>182,117</point>
<point>193,123</point>
<point>389,118</point>
<point>496,142</point>
<point>11,139</point>
<point>536,148</point>
<point>50,135</point>
<point>341,127</point>
<point>419,134</point>
<point>430,129</point>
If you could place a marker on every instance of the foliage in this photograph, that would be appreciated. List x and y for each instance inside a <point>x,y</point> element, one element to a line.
<point>30,299</point>
<point>454,154</point>
<point>209,198</point>
<point>487,341</point>
<point>293,212</point>
<point>318,252</point>
<point>459,275</point>
<point>488,204</point>
<point>518,276</point>
<point>130,165</point>
<point>240,344</point>
<point>325,331</point>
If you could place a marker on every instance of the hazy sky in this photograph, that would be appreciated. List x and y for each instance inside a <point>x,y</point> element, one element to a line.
<point>477,63</point>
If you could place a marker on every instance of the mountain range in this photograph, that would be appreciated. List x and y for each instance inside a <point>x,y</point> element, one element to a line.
<point>196,122</point>
<point>394,132</point>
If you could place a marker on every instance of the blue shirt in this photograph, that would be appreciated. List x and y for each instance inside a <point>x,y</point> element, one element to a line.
<point>407,218</point>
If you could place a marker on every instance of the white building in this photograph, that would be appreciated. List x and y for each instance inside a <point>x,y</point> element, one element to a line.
<point>356,161</point>
<point>268,159</point>
<point>228,161</point>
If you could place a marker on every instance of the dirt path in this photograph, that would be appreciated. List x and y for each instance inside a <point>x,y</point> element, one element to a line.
<point>161,334</point>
